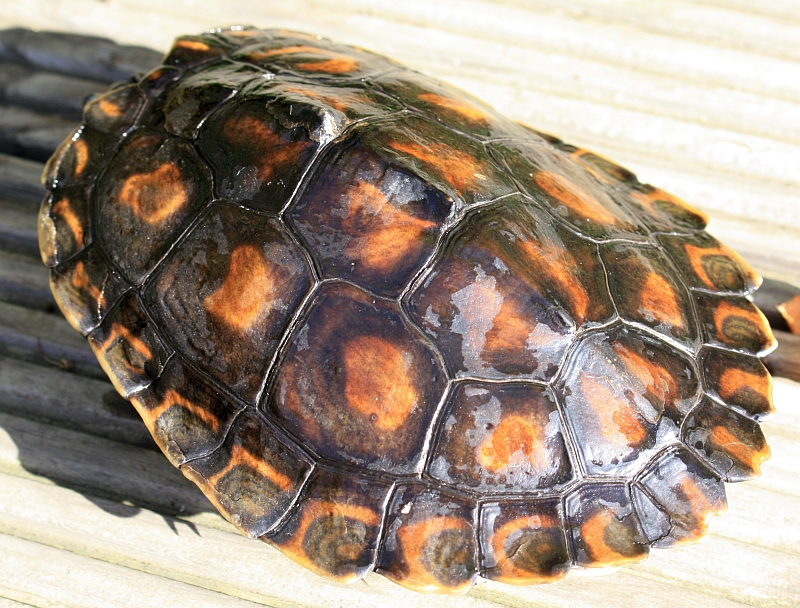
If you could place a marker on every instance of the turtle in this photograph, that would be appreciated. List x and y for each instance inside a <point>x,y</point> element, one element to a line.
<point>384,328</point>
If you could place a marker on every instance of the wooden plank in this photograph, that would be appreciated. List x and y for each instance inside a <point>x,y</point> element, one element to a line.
<point>660,87</point>
<point>58,578</point>
<point>96,466</point>
<point>71,402</point>
<point>45,339</point>
<point>46,91</point>
<point>24,282</point>
<point>88,57</point>
<point>20,179</point>
<point>31,135</point>
<point>18,228</point>
<point>223,561</point>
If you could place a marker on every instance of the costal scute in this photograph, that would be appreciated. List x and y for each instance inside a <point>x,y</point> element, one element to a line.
<point>383,328</point>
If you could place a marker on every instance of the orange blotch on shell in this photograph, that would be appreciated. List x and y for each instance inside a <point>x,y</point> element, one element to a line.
<point>658,297</point>
<point>412,538</point>
<point>732,380</point>
<point>337,64</point>
<point>657,379</point>
<point>315,509</point>
<point>63,209</point>
<point>240,456</point>
<point>517,442</point>
<point>576,156</point>
<point>753,318</point>
<point>701,509</point>
<point>376,382</point>
<point>248,292</point>
<point>119,333</point>
<point>173,399</point>
<point>594,533</point>
<point>157,195</point>
<point>192,45</point>
<point>341,65</point>
<point>80,279</point>
<point>613,415</point>
<point>728,442</point>
<point>656,194</point>
<point>556,265</point>
<point>579,201</point>
<point>471,113</point>
<point>459,169</point>
<point>273,152</point>
<point>81,151</point>
<point>340,102</point>
<point>697,254</point>
<point>509,572</point>
<point>109,108</point>
<point>790,311</point>
<point>511,329</point>
<point>389,234</point>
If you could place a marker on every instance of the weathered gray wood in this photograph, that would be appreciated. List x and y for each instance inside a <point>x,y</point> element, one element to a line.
<point>32,135</point>
<point>772,294</point>
<point>20,179</point>
<point>219,560</point>
<point>96,466</point>
<point>69,401</point>
<point>89,57</point>
<point>785,360</point>
<point>18,230</point>
<point>47,340</point>
<point>46,91</point>
<point>24,281</point>
<point>56,578</point>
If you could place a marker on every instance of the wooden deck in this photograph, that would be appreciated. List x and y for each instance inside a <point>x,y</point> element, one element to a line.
<point>701,98</point>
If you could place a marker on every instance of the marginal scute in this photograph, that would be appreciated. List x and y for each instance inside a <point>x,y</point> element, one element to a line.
<point>731,443</point>
<point>253,477</point>
<point>149,192</point>
<point>687,492</point>
<point>739,380</point>
<point>312,57</point>
<point>192,51</point>
<point>665,212</point>
<point>370,221</point>
<point>446,104</point>
<point>497,438</point>
<point>85,288</point>
<point>128,348</point>
<point>187,416</point>
<point>334,530</point>
<point>227,293</point>
<point>603,527</point>
<point>625,395</point>
<point>734,322</point>
<point>114,112</point>
<point>706,263</point>
<point>78,159</point>
<point>523,542</point>
<point>430,541</point>
<point>64,224</point>
<point>358,383</point>
<point>567,189</point>
<point>508,293</point>
<point>645,290</point>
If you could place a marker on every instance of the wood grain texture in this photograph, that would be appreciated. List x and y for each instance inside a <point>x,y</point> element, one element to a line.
<point>700,98</point>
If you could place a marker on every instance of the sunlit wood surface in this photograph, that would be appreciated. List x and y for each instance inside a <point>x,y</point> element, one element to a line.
<point>700,98</point>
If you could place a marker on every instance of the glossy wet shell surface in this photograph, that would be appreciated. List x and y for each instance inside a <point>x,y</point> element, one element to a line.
<point>384,328</point>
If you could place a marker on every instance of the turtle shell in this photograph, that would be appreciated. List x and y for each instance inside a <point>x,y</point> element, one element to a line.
<point>384,328</point>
